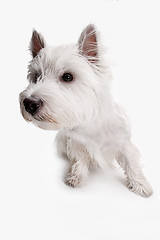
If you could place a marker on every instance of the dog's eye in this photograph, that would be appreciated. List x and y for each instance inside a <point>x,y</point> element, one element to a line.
<point>36,76</point>
<point>67,77</point>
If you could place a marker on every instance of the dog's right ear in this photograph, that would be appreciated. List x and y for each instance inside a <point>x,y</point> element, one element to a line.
<point>36,44</point>
<point>88,43</point>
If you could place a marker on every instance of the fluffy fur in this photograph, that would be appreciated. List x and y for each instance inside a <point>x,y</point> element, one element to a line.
<point>93,127</point>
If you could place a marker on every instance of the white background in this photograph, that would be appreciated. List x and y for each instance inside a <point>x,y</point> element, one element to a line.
<point>35,204</point>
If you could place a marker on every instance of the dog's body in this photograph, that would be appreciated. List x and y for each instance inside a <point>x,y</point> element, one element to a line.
<point>70,91</point>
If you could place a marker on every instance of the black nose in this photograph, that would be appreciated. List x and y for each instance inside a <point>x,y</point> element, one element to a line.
<point>32,104</point>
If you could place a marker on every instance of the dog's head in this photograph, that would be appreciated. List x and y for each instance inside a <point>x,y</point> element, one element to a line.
<point>64,88</point>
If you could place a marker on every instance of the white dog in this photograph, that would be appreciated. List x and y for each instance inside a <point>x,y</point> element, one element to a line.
<point>69,90</point>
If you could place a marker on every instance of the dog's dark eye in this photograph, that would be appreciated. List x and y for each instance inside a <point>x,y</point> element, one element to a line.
<point>36,76</point>
<point>67,77</point>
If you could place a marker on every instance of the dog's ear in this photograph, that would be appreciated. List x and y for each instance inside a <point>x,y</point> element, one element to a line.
<point>36,44</point>
<point>87,43</point>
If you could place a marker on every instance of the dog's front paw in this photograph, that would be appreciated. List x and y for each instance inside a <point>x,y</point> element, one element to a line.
<point>73,180</point>
<point>142,189</point>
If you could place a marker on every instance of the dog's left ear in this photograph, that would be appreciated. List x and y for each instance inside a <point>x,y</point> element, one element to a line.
<point>37,43</point>
<point>87,43</point>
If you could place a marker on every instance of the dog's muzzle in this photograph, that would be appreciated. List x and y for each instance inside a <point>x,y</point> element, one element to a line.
<point>32,104</point>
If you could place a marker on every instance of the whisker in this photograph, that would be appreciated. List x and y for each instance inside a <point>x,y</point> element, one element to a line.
<point>49,118</point>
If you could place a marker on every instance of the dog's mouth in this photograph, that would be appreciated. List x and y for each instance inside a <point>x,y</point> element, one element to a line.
<point>40,117</point>
<point>45,117</point>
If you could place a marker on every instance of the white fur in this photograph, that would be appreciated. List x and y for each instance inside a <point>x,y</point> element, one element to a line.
<point>93,127</point>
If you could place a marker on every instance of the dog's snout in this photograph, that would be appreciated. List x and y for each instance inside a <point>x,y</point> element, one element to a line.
<point>32,104</point>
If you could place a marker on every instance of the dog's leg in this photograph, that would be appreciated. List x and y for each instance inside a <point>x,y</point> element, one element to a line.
<point>80,161</point>
<point>128,158</point>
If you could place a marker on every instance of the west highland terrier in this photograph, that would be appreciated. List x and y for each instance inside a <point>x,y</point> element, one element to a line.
<point>69,90</point>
